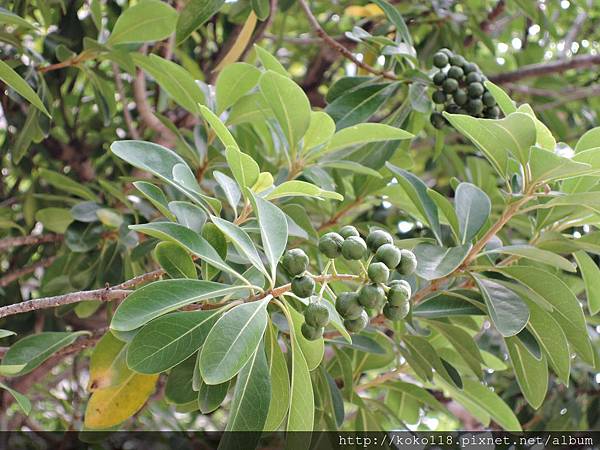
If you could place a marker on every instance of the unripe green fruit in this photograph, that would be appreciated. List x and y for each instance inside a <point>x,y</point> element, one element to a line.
<point>449,53</point>
<point>378,272</point>
<point>358,324</point>
<point>440,60</point>
<point>455,72</point>
<point>354,248</point>
<point>398,295</point>
<point>475,106</point>
<point>475,90</point>
<point>295,261</point>
<point>377,238</point>
<point>452,108</point>
<point>470,68</point>
<point>389,254</point>
<point>450,85</point>
<point>347,305</point>
<point>303,286</point>
<point>316,315</point>
<point>474,77</point>
<point>311,333</point>
<point>437,120</point>
<point>330,245</point>
<point>460,97</point>
<point>396,312</point>
<point>493,112</point>
<point>348,231</point>
<point>488,99</point>
<point>408,263</point>
<point>457,60</point>
<point>371,295</point>
<point>439,97</point>
<point>439,78</point>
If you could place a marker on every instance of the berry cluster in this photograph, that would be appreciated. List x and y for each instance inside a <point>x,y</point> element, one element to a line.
<point>460,89</point>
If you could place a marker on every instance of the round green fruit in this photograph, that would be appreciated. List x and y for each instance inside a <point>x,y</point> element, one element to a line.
<point>395,312</point>
<point>348,231</point>
<point>358,324</point>
<point>295,261</point>
<point>452,108</point>
<point>389,254</point>
<point>488,99</point>
<point>449,53</point>
<point>440,60</point>
<point>438,97</point>
<point>473,77</point>
<point>399,294</point>
<point>439,78</point>
<point>371,295</point>
<point>492,113</point>
<point>303,286</point>
<point>475,90</point>
<point>475,106</point>
<point>408,263</point>
<point>377,238</point>
<point>450,85</point>
<point>330,245</point>
<point>460,97</point>
<point>457,60</point>
<point>437,120</point>
<point>378,272</point>
<point>455,72</point>
<point>347,305</point>
<point>316,315</point>
<point>354,248</point>
<point>311,333</point>
<point>470,68</point>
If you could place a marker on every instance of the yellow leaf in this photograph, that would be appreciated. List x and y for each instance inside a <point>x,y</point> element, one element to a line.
<point>240,43</point>
<point>355,11</point>
<point>265,180</point>
<point>111,406</point>
<point>373,10</point>
<point>107,364</point>
<point>369,10</point>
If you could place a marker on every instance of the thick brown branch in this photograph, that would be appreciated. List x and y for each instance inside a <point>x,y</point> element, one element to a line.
<point>535,70</point>
<point>29,240</point>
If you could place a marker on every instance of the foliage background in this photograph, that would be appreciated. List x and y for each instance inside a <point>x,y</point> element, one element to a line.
<point>541,52</point>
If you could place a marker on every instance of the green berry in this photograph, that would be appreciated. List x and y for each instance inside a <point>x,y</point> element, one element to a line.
<point>348,231</point>
<point>395,312</point>
<point>470,68</point>
<point>439,78</point>
<point>408,263</point>
<point>452,108</point>
<point>316,315</point>
<point>475,90</point>
<point>358,324</point>
<point>439,97</point>
<point>457,60</point>
<point>378,272</point>
<point>371,295</point>
<point>473,77</point>
<point>440,60</point>
<point>389,254</point>
<point>475,106</point>
<point>488,99</point>
<point>399,294</point>
<point>311,333</point>
<point>455,72</point>
<point>354,248</point>
<point>460,97</point>
<point>447,52</point>
<point>493,112</point>
<point>295,261</point>
<point>348,306</point>
<point>330,245</point>
<point>303,286</point>
<point>450,85</point>
<point>437,120</point>
<point>377,238</point>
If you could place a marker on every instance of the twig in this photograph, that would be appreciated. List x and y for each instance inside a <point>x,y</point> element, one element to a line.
<point>486,25</point>
<point>340,214</point>
<point>10,277</point>
<point>576,28</point>
<point>133,132</point>
<point>29,240</point>
<point>339,47</point>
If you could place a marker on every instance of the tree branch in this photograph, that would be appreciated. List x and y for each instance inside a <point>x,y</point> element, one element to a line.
<point>10,277</point>
<point>29,240</point>
<point>339,47</point>
<point>535,70</point>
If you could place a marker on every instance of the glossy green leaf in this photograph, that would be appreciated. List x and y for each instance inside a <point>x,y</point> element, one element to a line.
<point>179,388</point>
<point>357,105</point>
<point>189,215</point>
<point>447,303</point>
<point>463,343</point>
<point>436,262</point>
<point>175,260</point>
<point>6,333</point>
<point>211,396</point>
<point>313,351</point>
<point>473,209</point>
<point>589,139</point>
<point>297,188</point>
<point>396,18</point>
<point>14,80</point>
<point>270,62</point>
<point>66,184</point>
<point>507,106</point>
<point>13,19</point>
<point>21,400</point>
<point>194,15</point>
<point>235,80</point>
<point>319,132</point>
<point>532,375</point>
<point>365,133</point>
<point>54,219</point>
<point>149,21</point>
<point>230,189</point>
<point>445,207</point>
<point>155,196</point>
<point>492,404</point>
<point>302,403</point>
<point>591,277</point>
<point>245,170</point>
<point>547,166</point>
<point>535,254</point>
<point>280,380</point>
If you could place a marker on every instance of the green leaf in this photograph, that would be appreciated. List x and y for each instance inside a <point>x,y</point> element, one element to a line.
<point>591,277</point>
<point>192,242</point>
<point>14,80</point>
<point>297,188</point>
<point>66,184</point>
<point>492,404</point>
<point>54,219</point>
<point>6,333</point>
<point>189,215</point>
<point>504,101</point>
<point>210,396</point>
<point>544,139</point>
<point>269,62</point>
<point>463,343</point>
<point>351,166</point>
<point>273,229</point>
<point>532,375</point>
<point>365,133</point>
<point>417,191</point>
<point>175,260</point>
<point>289,105</point>
<point>194,15</point>
<point>473,209</point>
<point>447,303</point>
<point>174,79</point>
<point>21,400</point>
<point>396,18</point>
<point>280,381</point>
<point>218,127</point>
<point>31,351</point>
<point>427,357</point>
<point>151,20</point>
<point>535,254</point>
<point>508,311</point>
<point>567,310</point>
<point>357,105</point>
<point>302,403</point>
<point>230,188</point>
<point>313,351</point>
<point>320,131</point>
<point>444,205</point>
<point>436,262</point>
<point>261,8</point>
<point>179,389</point>
<point>241,241</point>
<point>547,166</point>
<point>590,139</point>
<point>232,341</point>
<point>10,18</point>
<point>161,297</point>
<point>417,393</point>
<point>252,395</point>
<point>169,340</point>
<point>244,169</point>
<point>234,81</point>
